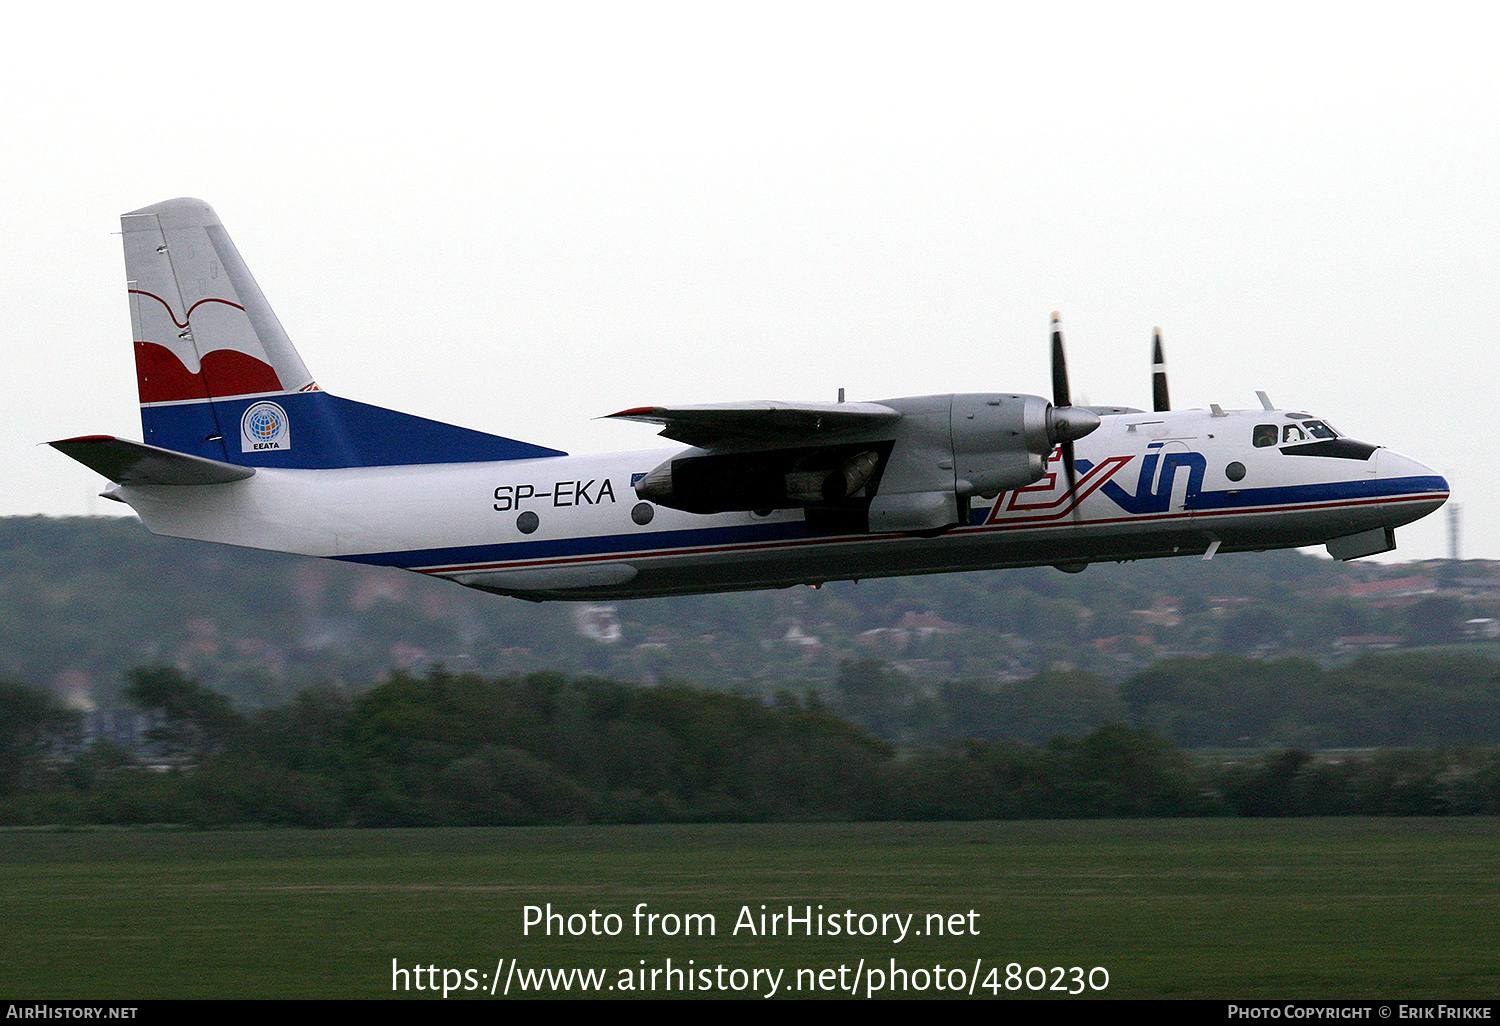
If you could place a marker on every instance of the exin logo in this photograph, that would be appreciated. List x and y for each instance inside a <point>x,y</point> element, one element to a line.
<point>265,426</point>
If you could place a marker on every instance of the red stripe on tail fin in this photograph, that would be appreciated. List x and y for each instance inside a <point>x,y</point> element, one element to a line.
<point>225,372</point>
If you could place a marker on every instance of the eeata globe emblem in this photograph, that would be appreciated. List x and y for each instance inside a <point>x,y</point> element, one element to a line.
<point>264,426</point>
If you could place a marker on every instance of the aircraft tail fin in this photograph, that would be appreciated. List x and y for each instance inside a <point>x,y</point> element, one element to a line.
<point>220,380</point>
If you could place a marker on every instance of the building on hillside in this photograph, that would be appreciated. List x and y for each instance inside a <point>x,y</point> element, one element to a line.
<point>598,622</point>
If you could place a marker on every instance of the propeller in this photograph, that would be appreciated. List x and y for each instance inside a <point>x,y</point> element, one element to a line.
<point>1159,401</point>
<point>1068,422</point>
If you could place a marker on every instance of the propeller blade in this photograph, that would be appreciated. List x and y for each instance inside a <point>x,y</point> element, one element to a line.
<point>1159,400</point>
<point>1068,421</point>
<point>1061,396</point>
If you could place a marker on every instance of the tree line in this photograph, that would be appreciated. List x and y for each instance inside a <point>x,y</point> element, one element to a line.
<point>1395,699</point>
<point>446,748</point>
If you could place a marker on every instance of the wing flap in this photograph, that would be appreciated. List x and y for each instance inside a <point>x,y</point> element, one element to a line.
<point>725,424</point>
<point>135,463</point>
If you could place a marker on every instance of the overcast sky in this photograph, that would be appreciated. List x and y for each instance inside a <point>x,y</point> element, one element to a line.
<point>521,217</point>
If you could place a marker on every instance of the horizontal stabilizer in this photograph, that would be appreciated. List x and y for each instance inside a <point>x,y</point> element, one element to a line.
<point>760,422</point>
<point>135,463</point>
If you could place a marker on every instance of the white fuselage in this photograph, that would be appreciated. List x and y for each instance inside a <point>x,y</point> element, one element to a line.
<point>1149,484</point>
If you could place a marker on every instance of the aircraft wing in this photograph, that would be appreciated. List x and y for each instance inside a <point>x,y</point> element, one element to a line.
<point>761,422</point>
<point>136,463</point>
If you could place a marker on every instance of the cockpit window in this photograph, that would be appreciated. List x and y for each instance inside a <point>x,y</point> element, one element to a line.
<point>1265,434</point>
<point>1292,433</point>
<point>1318,429</point>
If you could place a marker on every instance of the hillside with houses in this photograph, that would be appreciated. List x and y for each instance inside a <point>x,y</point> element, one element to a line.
<point>86,599</point>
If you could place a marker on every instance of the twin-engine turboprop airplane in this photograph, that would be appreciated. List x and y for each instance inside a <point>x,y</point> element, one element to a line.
<point>242,447</point>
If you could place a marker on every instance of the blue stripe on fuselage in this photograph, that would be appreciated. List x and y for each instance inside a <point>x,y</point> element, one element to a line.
<point>597,545</point>
<point>1247,500</point>
<point>1336,491</point>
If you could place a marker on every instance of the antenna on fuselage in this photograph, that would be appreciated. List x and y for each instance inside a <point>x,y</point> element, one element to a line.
<point>1159,400</point>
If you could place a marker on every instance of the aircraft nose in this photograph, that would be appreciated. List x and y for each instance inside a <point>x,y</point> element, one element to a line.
<point>1413,477</point>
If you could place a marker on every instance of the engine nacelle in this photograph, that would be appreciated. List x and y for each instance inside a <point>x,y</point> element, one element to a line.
<point>951,448</point>
<point>916,475</point>
<point>999,442</point>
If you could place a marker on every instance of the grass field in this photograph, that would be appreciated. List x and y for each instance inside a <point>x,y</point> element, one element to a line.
<point>1206,908</point>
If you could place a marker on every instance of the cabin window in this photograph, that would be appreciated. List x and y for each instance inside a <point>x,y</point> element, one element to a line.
<point>1265,434</point>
